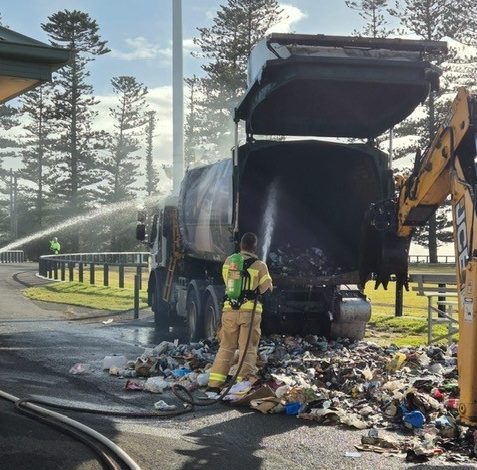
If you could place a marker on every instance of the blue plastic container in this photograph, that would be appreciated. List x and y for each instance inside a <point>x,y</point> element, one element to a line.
<point>293,408</point>
<point>414,418</point>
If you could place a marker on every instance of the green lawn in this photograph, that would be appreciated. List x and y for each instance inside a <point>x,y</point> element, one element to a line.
<point>75,293</point>
<point>411,329</point>
<point>384,327</point>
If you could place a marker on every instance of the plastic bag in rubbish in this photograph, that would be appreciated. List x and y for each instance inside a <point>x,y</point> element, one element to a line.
<point>114,361</point>
<point>156,385</point>
<point>161,405</point>
<point>203,379</point>
<point>79,368</point>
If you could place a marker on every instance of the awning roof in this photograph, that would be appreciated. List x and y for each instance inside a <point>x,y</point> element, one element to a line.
<point>26,63</point>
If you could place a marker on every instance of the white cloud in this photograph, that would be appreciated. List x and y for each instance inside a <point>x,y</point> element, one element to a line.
<point>159,100</point>
<point>140,48</point>
<point>291,16</point>
<point>189,45</point>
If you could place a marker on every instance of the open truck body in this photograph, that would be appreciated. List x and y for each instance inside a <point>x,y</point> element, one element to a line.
<point>298,86</point>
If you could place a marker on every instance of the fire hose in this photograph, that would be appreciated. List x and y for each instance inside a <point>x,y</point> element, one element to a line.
<point>83,433</point>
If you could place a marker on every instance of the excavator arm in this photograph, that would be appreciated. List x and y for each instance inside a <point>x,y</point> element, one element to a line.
<point>446,168</point>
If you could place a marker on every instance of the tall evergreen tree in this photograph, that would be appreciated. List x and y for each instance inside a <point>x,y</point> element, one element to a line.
<point>76,170</point>
<point>152,177</point>
<point>121,167</point>
<point>36,154</point>
<point>374,13</point>
<point>430,20</point>
<point>193,124</point>
<point>226,45</point>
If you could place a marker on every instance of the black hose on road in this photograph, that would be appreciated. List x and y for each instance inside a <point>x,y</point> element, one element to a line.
<point>85,434</point>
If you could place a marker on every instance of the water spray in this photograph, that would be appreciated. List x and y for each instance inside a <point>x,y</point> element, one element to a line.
<point>96,213</point>
<point>269,219</point>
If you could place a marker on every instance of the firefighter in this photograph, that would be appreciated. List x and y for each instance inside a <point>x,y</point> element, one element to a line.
<point>236,319</point>
<point>55,246</point>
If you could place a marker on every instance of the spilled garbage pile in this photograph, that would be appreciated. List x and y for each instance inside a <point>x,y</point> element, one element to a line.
<point>297,262</point>
<point>360,385</point>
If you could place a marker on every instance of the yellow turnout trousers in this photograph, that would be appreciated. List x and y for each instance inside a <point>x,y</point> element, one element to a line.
<point>233,335</point>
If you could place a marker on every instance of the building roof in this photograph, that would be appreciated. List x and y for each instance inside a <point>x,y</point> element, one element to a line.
<point>26,63</point>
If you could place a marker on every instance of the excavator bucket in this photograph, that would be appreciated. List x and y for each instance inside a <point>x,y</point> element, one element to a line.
<point>383,255</point>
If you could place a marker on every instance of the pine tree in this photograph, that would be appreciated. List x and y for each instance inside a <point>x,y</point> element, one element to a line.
<point>226,45</point>
<point>76,169</point>
<point>36,156</point>
<point>192,125</point>
<point>121,167</point>
<point>430,20</point>
<point>373,12</point>
<point>152,178</point>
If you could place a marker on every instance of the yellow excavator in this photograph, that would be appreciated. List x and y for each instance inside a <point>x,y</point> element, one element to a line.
<point>446,167</point>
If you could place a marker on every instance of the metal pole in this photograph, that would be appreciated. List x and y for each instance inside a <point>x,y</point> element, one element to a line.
<point>136,295</point>
<point>399,293</point>
<point>177,96</point>
<point>15,206</point>
<point>391,149</point>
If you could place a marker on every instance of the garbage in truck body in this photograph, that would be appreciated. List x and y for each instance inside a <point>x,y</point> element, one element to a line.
<point>306,199</point>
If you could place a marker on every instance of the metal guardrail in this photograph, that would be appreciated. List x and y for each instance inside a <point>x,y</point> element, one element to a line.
<point>12,256</point>
<point>55,266</point>
<point>424,259</point>
<point>442,298</point>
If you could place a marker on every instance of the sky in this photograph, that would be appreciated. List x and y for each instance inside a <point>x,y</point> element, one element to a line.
<point>139,36</point>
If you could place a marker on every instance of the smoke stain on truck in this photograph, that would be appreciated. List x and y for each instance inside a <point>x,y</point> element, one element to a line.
<point>309,196</point>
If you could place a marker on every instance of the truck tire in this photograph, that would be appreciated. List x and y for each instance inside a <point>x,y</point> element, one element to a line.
<point>161,309</point>
<point>194,319</point>
<point>211,317</point>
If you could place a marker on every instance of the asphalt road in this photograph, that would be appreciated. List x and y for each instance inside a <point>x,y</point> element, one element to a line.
<point>40,342</point>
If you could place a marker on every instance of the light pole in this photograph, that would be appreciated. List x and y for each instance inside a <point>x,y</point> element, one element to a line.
<point>177,96</point>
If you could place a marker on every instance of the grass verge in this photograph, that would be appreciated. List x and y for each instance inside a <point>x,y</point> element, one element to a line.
<point>75,293</point>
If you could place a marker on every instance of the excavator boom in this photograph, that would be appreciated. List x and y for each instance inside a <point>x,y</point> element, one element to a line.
<point>446,168</point>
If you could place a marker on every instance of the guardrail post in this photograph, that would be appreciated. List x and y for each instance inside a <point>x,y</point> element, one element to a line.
<point>62,271</point>
<point>106,275</point>
<point>137,281</point>
<point>429,321</point>
<point>91,273</point>
<point>121,276</point>
<point>399,301</point>
<point>440,299</point>
<point>55,270</point>
<point>80,272</point>
<point>49,269</point>
<point>71,267</point>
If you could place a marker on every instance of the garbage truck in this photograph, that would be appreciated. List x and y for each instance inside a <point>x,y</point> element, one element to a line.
<point>305,194</point>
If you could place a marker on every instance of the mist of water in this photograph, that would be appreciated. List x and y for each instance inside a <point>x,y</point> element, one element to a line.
<point>269,219</point>
<point>100,213</point>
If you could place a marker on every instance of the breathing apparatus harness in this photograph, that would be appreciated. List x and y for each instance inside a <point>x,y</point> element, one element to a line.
<point>238,283</point>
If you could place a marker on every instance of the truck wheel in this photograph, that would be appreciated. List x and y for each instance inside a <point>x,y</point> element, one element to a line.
<point>211,317</point>
<point>160,307</point>
<point>193,316</point>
